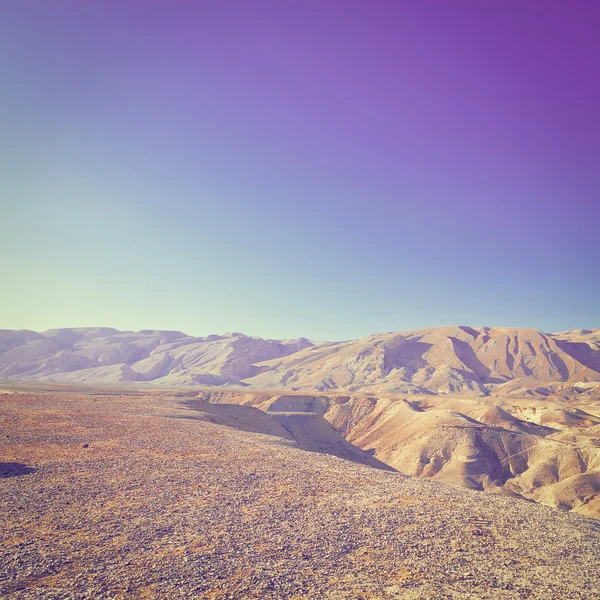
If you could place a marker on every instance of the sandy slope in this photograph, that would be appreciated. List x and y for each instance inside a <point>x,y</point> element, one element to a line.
<point>108,496</point>
<point>472,442</point>
<point>307,430</point>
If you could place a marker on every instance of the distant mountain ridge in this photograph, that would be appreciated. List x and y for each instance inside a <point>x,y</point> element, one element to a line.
<point>443,360</point>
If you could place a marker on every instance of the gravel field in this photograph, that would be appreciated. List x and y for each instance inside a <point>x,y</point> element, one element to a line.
<point>128,496</point>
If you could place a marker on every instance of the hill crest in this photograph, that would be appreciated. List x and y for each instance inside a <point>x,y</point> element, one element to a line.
<point>443,360</point>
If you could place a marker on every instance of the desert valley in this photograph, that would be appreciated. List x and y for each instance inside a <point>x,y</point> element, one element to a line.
<point>441,463</point>
<point>515,412</point>
<point>365,235</point>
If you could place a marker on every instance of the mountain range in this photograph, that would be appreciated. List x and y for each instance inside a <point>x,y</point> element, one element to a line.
<point>509,411</point>
<point>463,360</point>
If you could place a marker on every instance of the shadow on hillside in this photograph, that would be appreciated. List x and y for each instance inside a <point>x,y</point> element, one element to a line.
<point>309,430</point>
<point>14,469</point>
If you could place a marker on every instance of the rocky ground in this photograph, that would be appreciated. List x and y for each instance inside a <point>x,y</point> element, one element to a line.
<point>114,496</point>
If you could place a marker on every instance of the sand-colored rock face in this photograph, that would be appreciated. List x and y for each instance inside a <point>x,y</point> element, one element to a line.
<point>478,443</point>
<point>475,361</point>
<point>452,447</point>
<point>466,360</point>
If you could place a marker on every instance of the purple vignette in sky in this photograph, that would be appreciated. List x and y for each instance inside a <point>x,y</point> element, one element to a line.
<point>284,168</point>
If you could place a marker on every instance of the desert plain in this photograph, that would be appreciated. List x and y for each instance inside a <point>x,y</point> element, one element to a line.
<point>454,463</point>
<point>111,493</point>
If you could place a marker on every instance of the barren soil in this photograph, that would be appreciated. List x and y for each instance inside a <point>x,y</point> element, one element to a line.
<point>132,496</point>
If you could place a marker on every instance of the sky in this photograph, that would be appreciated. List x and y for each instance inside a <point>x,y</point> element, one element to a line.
<point>287,168</point>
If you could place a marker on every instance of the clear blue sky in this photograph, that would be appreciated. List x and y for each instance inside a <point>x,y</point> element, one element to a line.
<point>326,169</point>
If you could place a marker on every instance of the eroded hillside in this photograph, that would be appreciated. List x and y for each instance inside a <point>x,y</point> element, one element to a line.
<point>477,361</point>
<point>535,449</point>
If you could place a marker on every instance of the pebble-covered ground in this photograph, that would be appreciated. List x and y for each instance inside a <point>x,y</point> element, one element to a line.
<point>130,497</point>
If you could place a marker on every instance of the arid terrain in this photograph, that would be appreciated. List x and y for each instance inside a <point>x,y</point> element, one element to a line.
<point>454,462</point>
<point>462,360</point>
<point>541,450</point>
<point>110,493</point>
<point>510,411</point>
<point>300,300</point>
